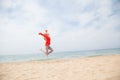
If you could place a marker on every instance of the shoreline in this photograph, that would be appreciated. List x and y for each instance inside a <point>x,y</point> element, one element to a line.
<point>48,59</point>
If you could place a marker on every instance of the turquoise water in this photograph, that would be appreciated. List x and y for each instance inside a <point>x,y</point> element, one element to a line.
<point>58,55</point>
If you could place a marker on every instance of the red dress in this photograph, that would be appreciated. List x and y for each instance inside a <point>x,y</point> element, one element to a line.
<point>47,39</point>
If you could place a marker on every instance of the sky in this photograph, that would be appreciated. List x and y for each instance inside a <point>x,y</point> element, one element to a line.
<point>72,24</point>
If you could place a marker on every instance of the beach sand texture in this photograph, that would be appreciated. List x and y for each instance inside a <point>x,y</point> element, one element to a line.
<point>90,68</point>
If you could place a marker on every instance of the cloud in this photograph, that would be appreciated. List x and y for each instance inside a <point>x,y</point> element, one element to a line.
<point>73,25</point>
<point>18,21</point>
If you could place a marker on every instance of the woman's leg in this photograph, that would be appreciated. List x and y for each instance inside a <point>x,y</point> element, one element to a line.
<point>51,50</point>
<point>47,47</point>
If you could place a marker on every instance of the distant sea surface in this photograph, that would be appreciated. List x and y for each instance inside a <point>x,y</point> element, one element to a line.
<point>58,55</point>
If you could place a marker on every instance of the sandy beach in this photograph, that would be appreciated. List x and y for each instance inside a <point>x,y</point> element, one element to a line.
<point>90,68</point>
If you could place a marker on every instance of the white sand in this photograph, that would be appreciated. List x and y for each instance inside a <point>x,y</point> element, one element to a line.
<point>91,68</point>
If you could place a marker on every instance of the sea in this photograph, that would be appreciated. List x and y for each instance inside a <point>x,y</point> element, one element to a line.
<point>58,55</point>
